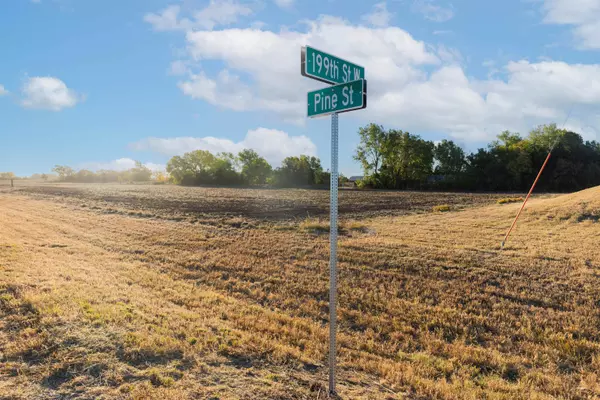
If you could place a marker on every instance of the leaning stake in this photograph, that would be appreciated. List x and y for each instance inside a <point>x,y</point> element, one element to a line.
<point>528,195</point>
<point>536,179</point>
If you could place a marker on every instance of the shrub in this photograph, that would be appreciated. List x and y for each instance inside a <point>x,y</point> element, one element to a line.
<point>368,182</point>
<point>508,200</point>
<point>318,226</point>
<point>314,225</point>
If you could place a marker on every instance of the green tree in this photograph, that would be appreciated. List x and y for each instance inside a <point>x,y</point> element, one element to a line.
<point>84,176</point>
<point>7,175</point>
<point>223,170</point>
<point>193,168</point>
<point>180,170</point>
<point>299,171</point>
<point>370,151</point>
<point>485,171</point>
<point>513,155</point>
<point>105,176</point>
<point>255,169</point>
<point>450,159</point>
<point>507,140</point>
<point>393,159</point>
<point>512,162</point>
<point>64,172</point>
<point>199,162</point>
<point>407,159</point>
<point>545,136</point>
<point>317,176</point>
<point>200,167</point>
<point>505,165</point>
<point>140,173</point>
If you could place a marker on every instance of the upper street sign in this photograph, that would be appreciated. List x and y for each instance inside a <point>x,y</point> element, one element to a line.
<point>338,99</point>
<point>326,68</point>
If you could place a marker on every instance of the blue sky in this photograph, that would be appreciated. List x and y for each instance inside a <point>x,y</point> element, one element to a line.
<point>98,84</point>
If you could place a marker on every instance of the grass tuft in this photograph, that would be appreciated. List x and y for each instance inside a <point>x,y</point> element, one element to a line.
<point>314,225</point>
<point>442,208</point>
<point>159,379</point>
<point>508,200</point>
<point>317,226</point>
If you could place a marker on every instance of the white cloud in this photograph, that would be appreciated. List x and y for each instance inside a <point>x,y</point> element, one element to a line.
<point>492,68</point>
<point>121,164</point>
<point>3,91</point>
<point>178,67</point>
<point>272,144</point>
<point>449,55</point>
<point>433,12</point>
<point>570,11</point>
<point>218,12</point>
<point>478,110</point>
<point>228,91</point>
<point>261,67</point>
<point>380,17</point>
<point>412,85</point>
<point>583,15</point>
<point>48,93</point>
<point>221,12</point>
<point>284,3</point>
<point>168,20</point>
<point>258,25</point>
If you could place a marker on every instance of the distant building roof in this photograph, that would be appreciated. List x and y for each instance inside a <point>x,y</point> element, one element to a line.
<point>355,178</point>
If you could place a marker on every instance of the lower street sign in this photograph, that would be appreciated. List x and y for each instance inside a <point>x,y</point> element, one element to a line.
<point>338,99</point>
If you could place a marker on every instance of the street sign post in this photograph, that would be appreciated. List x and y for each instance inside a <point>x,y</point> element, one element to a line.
<point>326,68</point>
<point>337,99</point>
<point>348,94</point>
<point>333,233</point>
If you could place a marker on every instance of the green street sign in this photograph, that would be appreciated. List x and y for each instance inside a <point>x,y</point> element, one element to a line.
<point>326,68</point>
<point>338,99</point>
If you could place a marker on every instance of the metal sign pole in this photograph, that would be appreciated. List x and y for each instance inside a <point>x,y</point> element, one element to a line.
<point>348,93</point>
<point>333,233</point>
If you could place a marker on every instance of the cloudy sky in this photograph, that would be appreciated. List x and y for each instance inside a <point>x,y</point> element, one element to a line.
<point>98,84</point>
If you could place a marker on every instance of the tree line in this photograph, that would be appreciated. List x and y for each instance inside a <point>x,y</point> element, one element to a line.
<point>393,159</point>
<point>7,175</point>
<point>139,173</point>
<point>390,159</point>
<point>200,167</point>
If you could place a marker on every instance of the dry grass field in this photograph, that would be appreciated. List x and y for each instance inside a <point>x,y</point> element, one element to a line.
<point>162,292</point>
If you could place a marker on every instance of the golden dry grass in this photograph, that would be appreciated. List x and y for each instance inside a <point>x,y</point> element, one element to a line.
<point>123,305</point>
<point>508,200</point>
